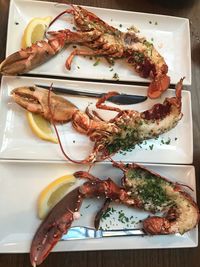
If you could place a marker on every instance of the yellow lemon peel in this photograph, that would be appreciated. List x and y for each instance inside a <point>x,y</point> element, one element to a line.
<point>53,193</point>
<point>35,31</point>
<point>41,127</point>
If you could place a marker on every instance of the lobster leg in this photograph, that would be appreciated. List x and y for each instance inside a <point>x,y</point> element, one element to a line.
<point>101,212</point>
<point>78,52</point>
<point>100,102</point>
<point>75,53</point>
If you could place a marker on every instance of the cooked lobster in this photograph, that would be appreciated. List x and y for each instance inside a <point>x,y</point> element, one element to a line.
<point>142,189</point>
<point>126,129</point>
<point>104,40</point>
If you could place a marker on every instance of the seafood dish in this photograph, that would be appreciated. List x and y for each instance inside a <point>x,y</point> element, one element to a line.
<point>126,129</point>
<point>141,189</point>
<point>169,206</point>
<point>103,40</point>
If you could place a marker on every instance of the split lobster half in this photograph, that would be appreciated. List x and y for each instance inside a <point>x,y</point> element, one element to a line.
<point>103,40</point>
<point>141,189</point>
<point>126,129</point>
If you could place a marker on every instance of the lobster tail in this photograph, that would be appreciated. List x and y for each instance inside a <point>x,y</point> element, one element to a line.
<point>159,85</point>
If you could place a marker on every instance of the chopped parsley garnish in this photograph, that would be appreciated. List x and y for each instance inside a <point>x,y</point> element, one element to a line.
<point>150,22</point>
<point>122,217</point>
<point>116,76</point>
<point>152,192</point>
<point>149,188</point>
<point>96,63</point>
<point>138,57</point>
<point>111,61</point>
<point>74,28</point>
<point>108,213</point>
<point>168,141</point>
<point>111,69</point>
<point>156,23</point>
<point>120,25</point>
<point>151,146</point>
<point>87,206</point>
<point>78,67</point>
<point>16,23</point>
<point>148,44</point>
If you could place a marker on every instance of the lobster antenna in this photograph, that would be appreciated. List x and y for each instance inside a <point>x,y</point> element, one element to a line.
<point>57,17</point>
<point>55,128</point>
<point>58,136</point>
<point>184,185</point>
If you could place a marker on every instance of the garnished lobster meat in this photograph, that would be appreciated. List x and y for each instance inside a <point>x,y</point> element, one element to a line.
<point>127,128</point>
<point>142,189</point>
<point>103,40</point>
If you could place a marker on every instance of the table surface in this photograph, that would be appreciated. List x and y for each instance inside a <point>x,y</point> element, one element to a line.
<point>128,258</point>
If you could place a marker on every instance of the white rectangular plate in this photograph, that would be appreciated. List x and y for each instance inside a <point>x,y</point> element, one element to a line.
<point>170,35</point>
<point>21,184</point>
<point>18,142</point>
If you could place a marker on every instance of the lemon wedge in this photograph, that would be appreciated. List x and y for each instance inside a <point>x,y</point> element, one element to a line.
<point>53,193</point>
<point>35,30</point>
<point>41,127</point>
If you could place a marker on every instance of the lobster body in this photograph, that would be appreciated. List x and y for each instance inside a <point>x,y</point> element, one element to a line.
<point>126,129</point>
<point>142,189</point>
<point>103,40</point>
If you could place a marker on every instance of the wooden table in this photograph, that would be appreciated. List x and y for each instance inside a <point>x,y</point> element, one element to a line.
<point>131,258</point>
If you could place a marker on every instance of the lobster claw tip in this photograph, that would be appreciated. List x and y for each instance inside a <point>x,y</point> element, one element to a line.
<point>14,64</point>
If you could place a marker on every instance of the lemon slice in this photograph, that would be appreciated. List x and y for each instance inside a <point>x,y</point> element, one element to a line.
<point>41,127</point>
<point>53,193</point>
<point>35,30</point>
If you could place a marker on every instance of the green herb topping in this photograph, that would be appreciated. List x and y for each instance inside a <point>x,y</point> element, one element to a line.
<point>116,76</point>
<point>150,189</point>
<point>96,63</point>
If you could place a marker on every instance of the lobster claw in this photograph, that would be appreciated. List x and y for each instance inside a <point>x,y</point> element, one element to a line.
<point>63,214</point>
<point>54,226</point>
<point>24,60</point>
<point>37,100</point>
<point>14,64</point>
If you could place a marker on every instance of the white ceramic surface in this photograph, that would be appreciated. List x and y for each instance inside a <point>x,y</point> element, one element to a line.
<point>21,183</point>
<point>18,142</point>
<point>170,35</point>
